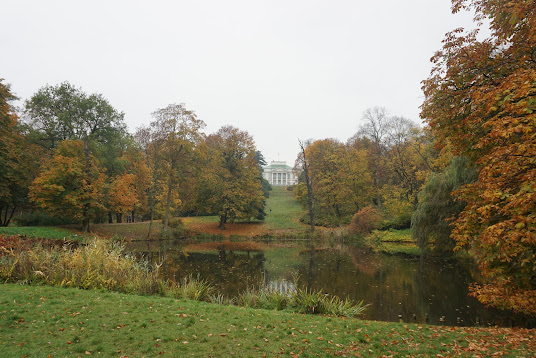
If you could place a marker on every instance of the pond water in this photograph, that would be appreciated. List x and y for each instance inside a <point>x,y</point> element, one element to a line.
<point>433,291</point>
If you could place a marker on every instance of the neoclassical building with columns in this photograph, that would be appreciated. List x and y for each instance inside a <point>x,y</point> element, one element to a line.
<point>278,173</point>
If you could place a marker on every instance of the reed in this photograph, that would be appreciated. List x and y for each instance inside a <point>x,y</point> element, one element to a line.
<point>98,265</point>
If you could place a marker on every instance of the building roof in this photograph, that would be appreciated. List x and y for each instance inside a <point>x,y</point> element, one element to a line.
<point>278,165</point>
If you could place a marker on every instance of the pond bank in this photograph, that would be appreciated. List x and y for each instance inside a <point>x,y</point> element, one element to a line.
<point>40,320</point>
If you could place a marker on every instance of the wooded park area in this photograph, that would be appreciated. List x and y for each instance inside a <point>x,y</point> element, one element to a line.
<point>466,181</point>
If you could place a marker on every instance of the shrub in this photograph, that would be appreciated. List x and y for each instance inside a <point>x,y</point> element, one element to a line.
<point>176,223</point>
<point>364,221</point>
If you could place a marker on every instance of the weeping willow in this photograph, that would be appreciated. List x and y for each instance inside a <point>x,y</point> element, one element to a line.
<point>431,221</point>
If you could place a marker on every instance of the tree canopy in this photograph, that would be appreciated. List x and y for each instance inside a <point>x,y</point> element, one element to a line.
<point>231,181</point>
<point>481,97</point>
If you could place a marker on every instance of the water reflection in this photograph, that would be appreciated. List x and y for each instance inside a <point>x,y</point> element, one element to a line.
<point>417,290</point>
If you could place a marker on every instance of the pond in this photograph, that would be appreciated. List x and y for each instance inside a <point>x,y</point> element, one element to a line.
<point>433,291</point>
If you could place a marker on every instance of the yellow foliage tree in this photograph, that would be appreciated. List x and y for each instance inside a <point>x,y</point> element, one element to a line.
<point>70,185</point>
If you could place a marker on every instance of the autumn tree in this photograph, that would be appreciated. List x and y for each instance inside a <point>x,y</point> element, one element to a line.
<point>305,188</point>
<point>18,159</point>
<point>230,184</point>
<point>375,128</point>
<point>169,144</point>
<point>68,187</point>
<point>63,112</point>
<point>481,96</point>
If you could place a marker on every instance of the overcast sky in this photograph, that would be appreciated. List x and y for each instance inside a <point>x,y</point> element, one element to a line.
<point>281,70</point>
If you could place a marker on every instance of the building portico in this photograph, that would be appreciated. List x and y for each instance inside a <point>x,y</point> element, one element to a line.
<point>278,173</point>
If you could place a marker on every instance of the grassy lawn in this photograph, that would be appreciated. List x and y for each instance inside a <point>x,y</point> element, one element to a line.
<point>285,212</point>
<point>58,322</point>
<point>45,232</point>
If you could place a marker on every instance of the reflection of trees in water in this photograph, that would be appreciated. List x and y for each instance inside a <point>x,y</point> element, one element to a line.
<point>229,272</point>
<point>394,285</point>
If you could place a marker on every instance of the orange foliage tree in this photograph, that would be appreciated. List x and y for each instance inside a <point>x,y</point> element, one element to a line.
<point>69,185</point>
<point>122,194</point>
<point>18,159</point>
<point>481,97</point>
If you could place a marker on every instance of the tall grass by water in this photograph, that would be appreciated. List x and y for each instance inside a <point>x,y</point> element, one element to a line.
<point>98,265</point>
<point>301,301</point>
<point>105,266</point>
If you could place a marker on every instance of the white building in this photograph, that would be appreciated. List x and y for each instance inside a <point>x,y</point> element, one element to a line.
<point>279,174</point>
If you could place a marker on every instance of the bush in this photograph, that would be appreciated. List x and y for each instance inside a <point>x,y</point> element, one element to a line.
<point>176,223</point>
<point>364,221</point>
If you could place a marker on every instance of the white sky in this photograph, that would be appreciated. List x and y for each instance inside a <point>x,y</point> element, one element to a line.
<point>281,70</point>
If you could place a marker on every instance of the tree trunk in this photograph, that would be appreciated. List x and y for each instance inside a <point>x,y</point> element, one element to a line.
<point>119,217</point>
<point>87,204</point>
<point>168,204</point>
<point>223,220</point>
<point>85,225</point>
<point>110,218</point>
<point>310,199</point>
<point>7,217</point>
<point>378,198</point>
<point>151,223</point>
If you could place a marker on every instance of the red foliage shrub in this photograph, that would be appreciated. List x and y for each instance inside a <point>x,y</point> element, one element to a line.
<point>11,242</point>
<point>365,220</point>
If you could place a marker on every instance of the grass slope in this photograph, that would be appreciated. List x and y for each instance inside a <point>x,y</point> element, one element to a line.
<point>285,208</point>
<point>57,322</point>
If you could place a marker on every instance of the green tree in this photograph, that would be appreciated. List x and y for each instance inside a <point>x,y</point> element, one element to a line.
<point>57,113</point>
<point>266,187</point>
<point>432,221</point>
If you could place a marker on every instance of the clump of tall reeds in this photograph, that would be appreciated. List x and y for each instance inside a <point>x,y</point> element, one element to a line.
<point>192,288</point>
<point>301,301</point>
<point>98,265</point>
<point>317,302</point>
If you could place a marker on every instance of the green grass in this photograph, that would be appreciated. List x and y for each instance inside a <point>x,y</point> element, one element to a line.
<point>44,232</point>
<point>393,242</point>
<point>286,211</point>
<point>45,321</point>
